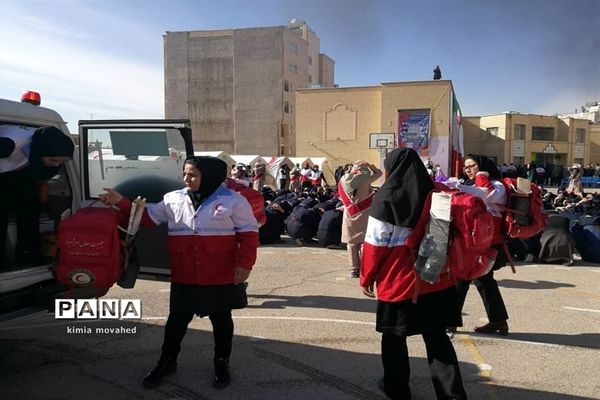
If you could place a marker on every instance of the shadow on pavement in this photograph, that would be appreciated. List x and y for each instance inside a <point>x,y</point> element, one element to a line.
<point>515,284</point>
<point>46,363</point>
<point>327,302</point>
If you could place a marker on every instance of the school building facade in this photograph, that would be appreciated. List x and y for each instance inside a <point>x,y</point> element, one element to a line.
<point>340,123</point>
<point>512,137</point>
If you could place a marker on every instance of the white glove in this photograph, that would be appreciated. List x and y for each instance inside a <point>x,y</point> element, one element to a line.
<point>453,182</point>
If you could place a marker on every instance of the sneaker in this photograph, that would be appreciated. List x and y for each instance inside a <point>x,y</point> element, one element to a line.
<point>299,242</point>
<point>353,273</point>
<point>222,377</point>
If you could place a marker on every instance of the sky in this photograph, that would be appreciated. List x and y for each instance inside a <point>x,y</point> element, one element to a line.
<point>103,59</point>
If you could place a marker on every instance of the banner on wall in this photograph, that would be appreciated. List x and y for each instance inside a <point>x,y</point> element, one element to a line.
<point>413,131</point>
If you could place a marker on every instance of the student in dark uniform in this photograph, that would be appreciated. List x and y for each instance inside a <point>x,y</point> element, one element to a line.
<point>397,222</point>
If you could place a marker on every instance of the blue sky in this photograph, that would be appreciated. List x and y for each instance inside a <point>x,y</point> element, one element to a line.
<point>104,59</point>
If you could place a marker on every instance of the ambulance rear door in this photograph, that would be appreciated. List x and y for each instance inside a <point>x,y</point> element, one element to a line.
<point>136,158</point>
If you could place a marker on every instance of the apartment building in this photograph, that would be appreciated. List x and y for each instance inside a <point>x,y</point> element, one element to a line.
<point>237,85</point>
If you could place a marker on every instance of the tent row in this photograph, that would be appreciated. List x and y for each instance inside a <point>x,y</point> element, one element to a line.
<point>273,163</point>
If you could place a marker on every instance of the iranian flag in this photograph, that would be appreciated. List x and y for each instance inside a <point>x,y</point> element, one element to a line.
<point>456,133</point>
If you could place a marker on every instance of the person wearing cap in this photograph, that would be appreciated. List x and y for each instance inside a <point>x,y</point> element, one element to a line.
<point>354,189</point>
<point>29,156</point>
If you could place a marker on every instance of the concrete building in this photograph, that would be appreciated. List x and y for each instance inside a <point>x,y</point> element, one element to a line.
<point>337,123</point>
<point>512,137</point>
<point>237,85</point>
<point>590,111</point>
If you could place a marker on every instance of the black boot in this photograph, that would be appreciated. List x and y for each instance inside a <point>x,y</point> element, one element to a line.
<point>167,365</point>
<point>221,379</point>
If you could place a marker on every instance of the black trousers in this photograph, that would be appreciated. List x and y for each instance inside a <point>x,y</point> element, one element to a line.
<point>176,328</point>
<point>490,294</point>
<point>20,198</point>
<point>443,366</point>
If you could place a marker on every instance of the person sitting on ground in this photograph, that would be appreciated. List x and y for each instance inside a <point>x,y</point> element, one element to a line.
<point>303,223</point>
<point>329,233</point>
<point>557,243</point>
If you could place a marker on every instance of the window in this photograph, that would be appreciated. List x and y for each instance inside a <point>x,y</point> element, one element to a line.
<point>519,132</point>
<point>579,135</point>
<point>309,78</point>
<point>518,160</point>
<point>293,47</point>
<point>491,133</point>
<point>286,86</point>
<point>542,133</point>
<point>293,68</point>
<point>282,150</point>
<point>309,60</point>
<point>286,107</point>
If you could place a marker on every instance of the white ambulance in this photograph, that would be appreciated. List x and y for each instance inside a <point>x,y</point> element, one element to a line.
<point>136,157</point>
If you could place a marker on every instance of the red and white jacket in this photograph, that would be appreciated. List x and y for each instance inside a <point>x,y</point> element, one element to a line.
<point>207,245</point>
<point>389,252</point>
<point>494,194</point>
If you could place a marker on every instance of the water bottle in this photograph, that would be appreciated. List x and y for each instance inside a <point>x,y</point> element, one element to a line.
<point>435,263</point>
<point>424,253</point>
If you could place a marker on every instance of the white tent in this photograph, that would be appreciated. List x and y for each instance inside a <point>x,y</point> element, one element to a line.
<point>321,162</point>
<point>218,154</point>
<point>276,162</point>
<point>247,160</point>
<point>324,166</point>
<point>300,161</point>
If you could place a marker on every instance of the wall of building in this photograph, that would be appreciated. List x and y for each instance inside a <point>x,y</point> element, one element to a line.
<point>594,143</point>
<point>337,123</point>
<point>258,90</point>
<point>505,146</point>
<point>200,80</point>
<point>230,84</point>
<point>326,71</point>
<point>176,74</point>
<point>433,95</point>
<point>295,53</point>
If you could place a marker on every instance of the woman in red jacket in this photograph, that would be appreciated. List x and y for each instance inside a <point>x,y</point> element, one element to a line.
<point>484,181</point>
<point>406,305</point>
<point>212,242</point>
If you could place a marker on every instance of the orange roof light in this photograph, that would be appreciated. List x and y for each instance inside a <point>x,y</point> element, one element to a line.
<point>31,98</point>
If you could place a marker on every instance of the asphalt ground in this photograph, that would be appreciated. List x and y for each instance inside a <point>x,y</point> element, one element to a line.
<point>308,333</point>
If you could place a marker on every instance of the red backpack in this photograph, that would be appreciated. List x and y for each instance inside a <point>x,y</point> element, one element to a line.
<point>524,213</point>
<point>89,249</point>
<point>256,200</point>
<point>470,254</point>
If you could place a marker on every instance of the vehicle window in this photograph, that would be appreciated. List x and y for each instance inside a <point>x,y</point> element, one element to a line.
<point>136,162</point>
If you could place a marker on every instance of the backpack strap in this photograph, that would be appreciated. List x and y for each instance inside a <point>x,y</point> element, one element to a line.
<point>509,257</point>
<point>413,257</point>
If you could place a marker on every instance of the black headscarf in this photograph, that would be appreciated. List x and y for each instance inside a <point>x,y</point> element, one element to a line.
<point>48,141</point>
<point>214,172</point>
<point>485,164</point>
<point>401,198</point>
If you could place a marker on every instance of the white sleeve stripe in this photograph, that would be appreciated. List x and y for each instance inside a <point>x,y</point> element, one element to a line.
<point>380,233</point>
